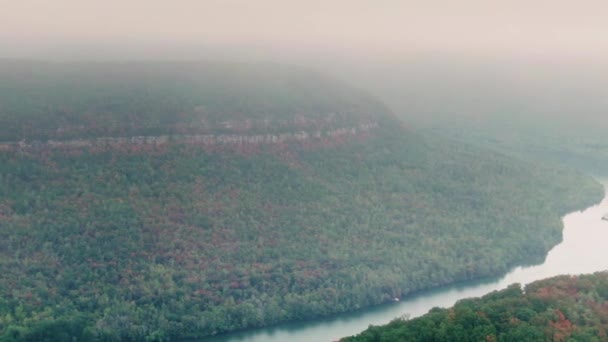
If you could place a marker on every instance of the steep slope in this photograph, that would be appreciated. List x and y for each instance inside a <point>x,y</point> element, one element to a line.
<point>68,101</point>
<point>564,308</point>
<point>163,201</point>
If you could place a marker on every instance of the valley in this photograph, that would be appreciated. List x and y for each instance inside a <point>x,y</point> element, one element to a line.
<point>107,233</point>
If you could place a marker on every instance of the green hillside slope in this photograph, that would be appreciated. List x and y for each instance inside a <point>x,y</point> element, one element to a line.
<point>173,207</point>
<point>66,101</point>
<point>563,308</point>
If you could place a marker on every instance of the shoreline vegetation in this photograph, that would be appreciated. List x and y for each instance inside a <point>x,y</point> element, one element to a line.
<point>405,317</point>
<point>561,308</point>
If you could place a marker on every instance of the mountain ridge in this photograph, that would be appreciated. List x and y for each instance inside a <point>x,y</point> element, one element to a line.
<point>183,240</point>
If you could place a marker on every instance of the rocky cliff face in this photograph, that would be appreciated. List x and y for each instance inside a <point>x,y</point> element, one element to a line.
<point>209,140</point>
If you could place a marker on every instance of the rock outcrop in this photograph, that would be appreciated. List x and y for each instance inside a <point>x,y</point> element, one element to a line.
<point>195,139</point>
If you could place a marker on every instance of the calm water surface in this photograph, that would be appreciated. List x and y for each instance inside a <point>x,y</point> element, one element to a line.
<point>582,251</point>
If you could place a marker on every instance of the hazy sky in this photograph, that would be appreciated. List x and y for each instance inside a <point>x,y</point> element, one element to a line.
<point>520,27</point>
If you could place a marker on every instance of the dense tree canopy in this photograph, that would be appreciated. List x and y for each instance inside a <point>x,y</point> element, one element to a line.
<point>564,308</point>
<point>178,240</point>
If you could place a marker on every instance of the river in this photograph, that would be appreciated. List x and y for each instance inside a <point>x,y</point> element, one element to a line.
<point>581,251</point>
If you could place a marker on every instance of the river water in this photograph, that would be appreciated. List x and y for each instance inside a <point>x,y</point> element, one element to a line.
<point>583,250</point>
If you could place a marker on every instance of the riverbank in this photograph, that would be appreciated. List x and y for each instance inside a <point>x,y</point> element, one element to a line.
<point>561,308</point>
<point>581,229</point>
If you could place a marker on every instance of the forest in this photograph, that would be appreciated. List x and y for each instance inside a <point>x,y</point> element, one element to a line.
<point>42,101</point>
<point>563,308</point>
<point>181,241</point>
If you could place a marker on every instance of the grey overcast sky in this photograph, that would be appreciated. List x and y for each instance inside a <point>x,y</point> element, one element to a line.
<point>576,28</point>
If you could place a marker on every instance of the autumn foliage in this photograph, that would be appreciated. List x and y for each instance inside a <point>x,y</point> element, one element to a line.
<point>564,308</point>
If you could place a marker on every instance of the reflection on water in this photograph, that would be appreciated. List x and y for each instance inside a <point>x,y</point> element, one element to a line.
<point>582,251</point>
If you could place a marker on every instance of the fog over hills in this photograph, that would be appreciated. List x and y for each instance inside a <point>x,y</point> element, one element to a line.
<point>178,200</point>
<point>175,170</point>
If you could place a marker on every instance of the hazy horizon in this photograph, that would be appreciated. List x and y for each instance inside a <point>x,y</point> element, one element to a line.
<point>425,59</point>
<point>273,29</point>
<point>271,170</point>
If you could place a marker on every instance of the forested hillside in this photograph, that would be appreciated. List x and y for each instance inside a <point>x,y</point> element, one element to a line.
<point>40,101</point>
<point>564,308</point>
<point>159,235</point>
